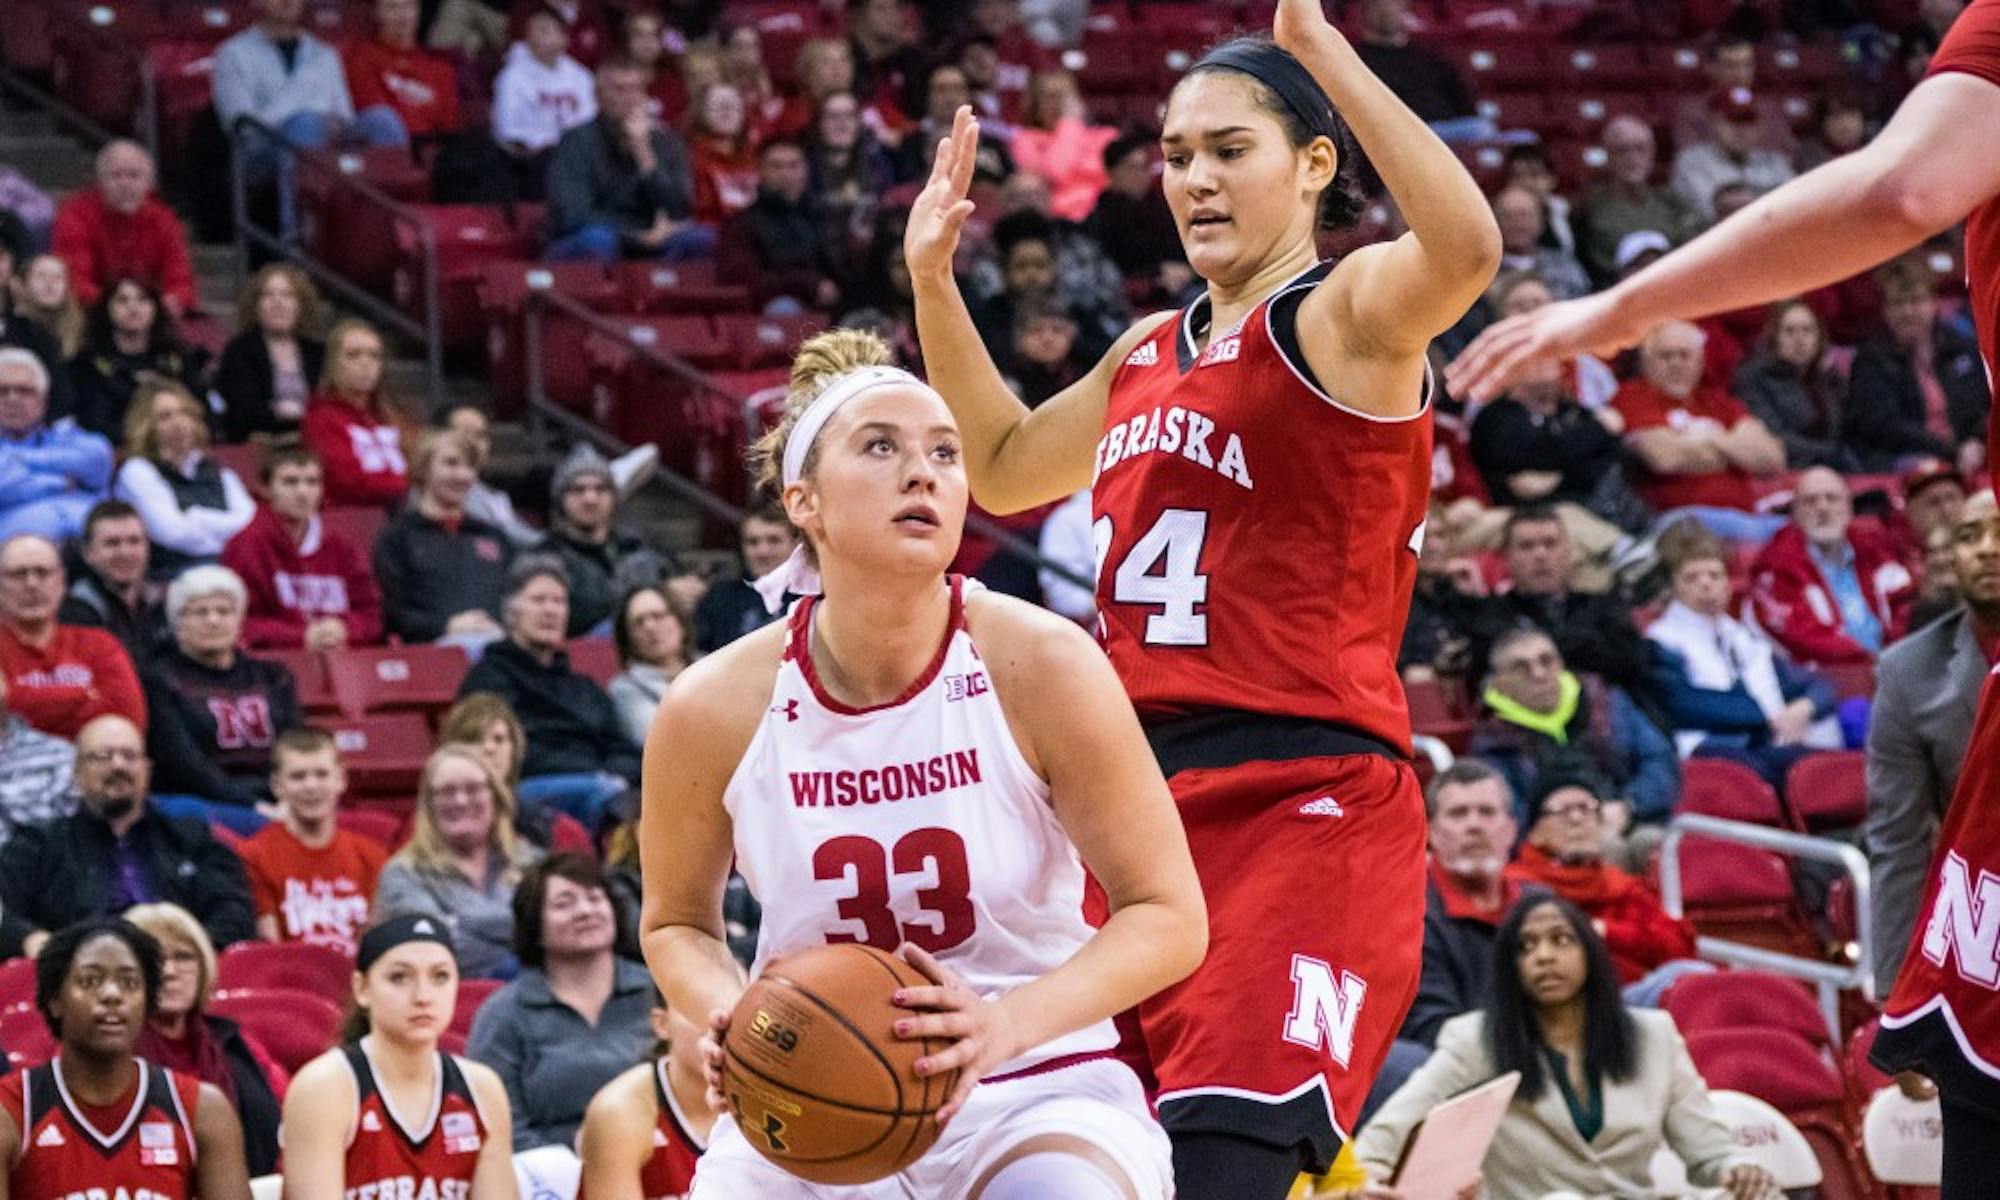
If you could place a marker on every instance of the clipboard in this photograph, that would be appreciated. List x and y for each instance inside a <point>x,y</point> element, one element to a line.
<point>1443,1154</point>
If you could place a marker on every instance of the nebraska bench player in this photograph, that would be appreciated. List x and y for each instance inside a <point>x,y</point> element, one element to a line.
<point>908,765</point>
<point>386,1115</point>
<point>1259,466</point>
<point>1922,174</point>
<point>644,1130</point>
<point>98,1122</point>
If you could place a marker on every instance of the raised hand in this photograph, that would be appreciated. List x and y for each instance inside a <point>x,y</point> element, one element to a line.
<point>930,239</point>
<point>1301,27</point>
<point>1506,351</point>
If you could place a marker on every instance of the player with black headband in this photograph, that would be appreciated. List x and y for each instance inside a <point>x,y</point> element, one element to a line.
<point>99,1121</point>
<point>386,1114</point>
<point>1260,468</point>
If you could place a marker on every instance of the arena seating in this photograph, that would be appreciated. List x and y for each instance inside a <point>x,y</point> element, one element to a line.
<point>1784,1070</point>
<point>1830,790</point>
<point>297,966</point>
<point>389,679</point>
<point>294,1026</point>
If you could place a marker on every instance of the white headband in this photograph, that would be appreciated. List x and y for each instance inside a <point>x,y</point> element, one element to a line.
<point>796,574</point>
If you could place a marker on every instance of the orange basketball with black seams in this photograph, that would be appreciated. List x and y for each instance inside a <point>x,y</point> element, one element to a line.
<point>819,1082</point>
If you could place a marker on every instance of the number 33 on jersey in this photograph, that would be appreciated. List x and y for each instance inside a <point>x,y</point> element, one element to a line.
<point>1232,496</point>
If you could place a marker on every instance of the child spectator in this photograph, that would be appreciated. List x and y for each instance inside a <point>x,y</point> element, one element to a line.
<point>542,93</point>
<point>357,433</point>
<point>310,880</point>
<point>308,585</point>
<point>268,370</point>
<point>191,504</point>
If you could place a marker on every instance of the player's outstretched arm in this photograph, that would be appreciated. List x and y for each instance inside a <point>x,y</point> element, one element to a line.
<point>493,1178</point>
<point>1387,302</point>
<point>1106,789</point>
<point>685,839</point>
<point>617,1136</point>
<point>1014,458</point>
<point>1922,174</point>
<point>318,1106</point>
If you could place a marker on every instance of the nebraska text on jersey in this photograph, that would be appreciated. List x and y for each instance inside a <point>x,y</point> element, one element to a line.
<point>875,785</point>
<point>408,1187</point>
<point>1171,429</point>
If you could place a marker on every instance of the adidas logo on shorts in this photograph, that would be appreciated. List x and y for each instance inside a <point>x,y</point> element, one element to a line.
<point>1324,806</point>
<point>1144,356</point>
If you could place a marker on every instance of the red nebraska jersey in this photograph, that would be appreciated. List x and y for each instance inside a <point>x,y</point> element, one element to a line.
<point>432,1158</point>
<point>1943,1016</point>
<point>65,1154</point>
<point>1256,539</point>
<point>669,1174</point>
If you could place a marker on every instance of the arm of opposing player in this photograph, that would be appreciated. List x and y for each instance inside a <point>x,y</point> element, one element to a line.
<point>614,1143</point>
<point>315,1129</point>
<point>493,1177</point>
<point>1107,791</point>
<point>220,1172</point>
<point>686,844</point>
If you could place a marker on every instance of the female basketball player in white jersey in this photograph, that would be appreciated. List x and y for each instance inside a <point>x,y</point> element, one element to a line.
<point>906,764</point>
<point>1259,467</point>
<point>387,1113</point>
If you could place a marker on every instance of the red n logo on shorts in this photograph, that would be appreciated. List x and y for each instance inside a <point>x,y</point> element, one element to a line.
<point>240,721</point>
<point>1325,1007</point>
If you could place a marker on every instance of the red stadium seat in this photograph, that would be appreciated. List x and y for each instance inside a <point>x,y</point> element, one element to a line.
<point>467,236</point>
<point>17,982</point>
<point>1489,66</point>
<point>471,994</point>
<point>294,966</point>
<point>689,289</point>
<point>758,342</point>
<point>451,1041</point>
<point>1746,1000</point>
<point>26,1037</point>
<point>1784,1071</point>
<point>308,668</point>
<point>397,678</point>
<point>1610,65</point>
<point>384,755</point>
<point>359,525</point>
<point>1864,1077</point>
<point>1516,110</point>
<point>1718,787</point>
<point>1804,66</point>
<point>595,658</point>
<point>1744,894</point>
<point>354,233</point>
<point>503,290</point>
<point>295,1027</point>
<point>1829,790</point>
<point>378,825</point>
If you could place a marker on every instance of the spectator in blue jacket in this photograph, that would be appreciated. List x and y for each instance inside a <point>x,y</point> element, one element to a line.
<point>1537,710</point>
<point>50,474</point>
<point>1728,689</point>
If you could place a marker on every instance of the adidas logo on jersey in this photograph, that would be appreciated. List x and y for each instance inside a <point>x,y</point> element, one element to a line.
<point>1145,356</point>
<point>50,1136</point>
<point>370,1123</point>
<point>1324,806</point>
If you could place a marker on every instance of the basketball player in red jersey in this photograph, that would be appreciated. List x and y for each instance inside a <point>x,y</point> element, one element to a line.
<point>1259,467</point>
<point>644,1130</point>
<point>386,1114</point>
<point>98,1121</point>
<point>1933,165</point>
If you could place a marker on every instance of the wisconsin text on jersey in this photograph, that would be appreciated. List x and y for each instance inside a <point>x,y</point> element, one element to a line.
<point>1172,429</point>
<point>897,781</point>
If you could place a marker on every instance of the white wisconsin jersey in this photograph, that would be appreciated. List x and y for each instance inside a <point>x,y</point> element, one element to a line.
<point>916,820</point>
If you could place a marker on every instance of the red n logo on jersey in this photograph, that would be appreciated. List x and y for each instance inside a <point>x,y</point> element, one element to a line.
<point>1325,1007</point>
<point>1965,918</point>
<point>241,721</point>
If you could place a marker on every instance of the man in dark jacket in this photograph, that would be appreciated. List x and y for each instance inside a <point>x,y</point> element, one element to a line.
<point>778,246</point>
<point>1919,390</point>
<point>572,726</point>
<point>1594,631</point>
<point>619,186</point>
<point>603,562</point>
<point>116,851</point>
<point>731,607</point>
<point>108,589</point>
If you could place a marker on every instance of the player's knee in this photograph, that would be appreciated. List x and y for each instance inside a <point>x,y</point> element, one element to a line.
<point>1053,1175</point>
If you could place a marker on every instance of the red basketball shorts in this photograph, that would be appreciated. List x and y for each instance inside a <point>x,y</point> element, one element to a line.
<point>1314,875</point>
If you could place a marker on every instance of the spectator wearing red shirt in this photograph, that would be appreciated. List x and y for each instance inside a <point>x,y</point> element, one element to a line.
<point>308,586</point>
<point>59,677</point>
<point>1826,589</point>
<point>358,436</point>
<point>120,229</point>
<point>1565,854</point>
<point>392,71</point>
<point>310,880</point>
<point>1697,446</point>
<point>722,153</point>
<point>823,69</point>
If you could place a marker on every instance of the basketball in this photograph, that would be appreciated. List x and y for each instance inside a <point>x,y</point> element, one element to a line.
<point>819,1082</point>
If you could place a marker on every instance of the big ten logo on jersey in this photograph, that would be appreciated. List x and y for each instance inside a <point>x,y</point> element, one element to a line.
<point>461,1133</point>
<point>1965,923</point>
<point>966,686</point>
<point>156,1145</point>
<point>1326,1005</point>
<point>241,721</point>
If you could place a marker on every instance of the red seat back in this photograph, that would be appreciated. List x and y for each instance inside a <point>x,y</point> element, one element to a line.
<point>384,755</point>
<point>380,826</point>
<point>308,668</point>
<point>359,525</point>
<point>294,1027</point>
<point>1746,1000</point>
<point>594,658</point>
<point>1717,787</point>
<point>1829,790</point>
<point>17,982</point>
<point>471,994</point>
<point>293,966</point>
<point>26,1037</point>
<point>767,341</point>
<point>396,678</point>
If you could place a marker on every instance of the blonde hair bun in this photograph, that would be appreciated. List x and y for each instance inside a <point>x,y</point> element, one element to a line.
<point>821,359</point>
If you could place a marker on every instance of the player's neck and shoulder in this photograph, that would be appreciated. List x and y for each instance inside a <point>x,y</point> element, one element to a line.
<point>626,1109</point>
<point>713,708</point>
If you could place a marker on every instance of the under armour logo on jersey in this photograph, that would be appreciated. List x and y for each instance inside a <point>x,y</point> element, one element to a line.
<point>790,708</point>
<point>50,1136</point>
<point>1145,356</point>
<point>1324,806</point>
